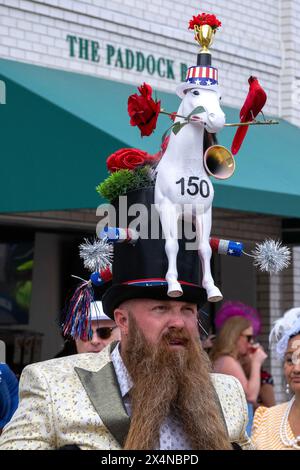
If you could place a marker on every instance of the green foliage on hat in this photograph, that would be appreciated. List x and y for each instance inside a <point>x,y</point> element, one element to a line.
<point>121,182</point>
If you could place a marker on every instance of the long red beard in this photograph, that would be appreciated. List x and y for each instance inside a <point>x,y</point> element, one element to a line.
<point>173,382</point>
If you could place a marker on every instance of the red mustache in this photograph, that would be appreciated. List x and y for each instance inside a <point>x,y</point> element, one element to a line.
<point>176,334</point>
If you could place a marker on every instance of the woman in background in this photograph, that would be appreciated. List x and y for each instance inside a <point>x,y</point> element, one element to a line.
<point>278,427</point>
<point>266,396</point>
<point>233,343</point>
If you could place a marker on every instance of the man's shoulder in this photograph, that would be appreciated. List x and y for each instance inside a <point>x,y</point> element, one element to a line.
<point>234,406</point>
<point>67,364</point>
<point>227,385</point>
<point>223,379</point>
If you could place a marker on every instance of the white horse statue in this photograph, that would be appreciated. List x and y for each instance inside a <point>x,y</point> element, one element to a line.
<point>182,180</point>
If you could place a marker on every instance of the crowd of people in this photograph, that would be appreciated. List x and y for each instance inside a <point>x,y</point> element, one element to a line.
<point>176,396</point>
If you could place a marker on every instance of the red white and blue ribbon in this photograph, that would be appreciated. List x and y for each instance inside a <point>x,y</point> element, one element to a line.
<point>226,247</point>
<point>118,235</point>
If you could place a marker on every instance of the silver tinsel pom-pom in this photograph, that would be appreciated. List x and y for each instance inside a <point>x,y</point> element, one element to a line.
<point>271,256</point>
<point>96,255</point>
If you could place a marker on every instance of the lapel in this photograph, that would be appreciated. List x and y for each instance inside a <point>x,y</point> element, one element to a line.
<point>103,391</point>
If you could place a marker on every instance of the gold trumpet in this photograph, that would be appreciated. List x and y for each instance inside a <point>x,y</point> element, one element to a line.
<point>219,162</point>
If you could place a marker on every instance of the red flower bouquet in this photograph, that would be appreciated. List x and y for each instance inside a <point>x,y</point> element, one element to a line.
<point>127,159</point>
<point>143,110</point>
<point>205,18</point>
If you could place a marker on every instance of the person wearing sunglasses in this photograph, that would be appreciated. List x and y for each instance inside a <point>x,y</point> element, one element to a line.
<point>231,309</point>
<point>104,330</point>
<point>234,343</point>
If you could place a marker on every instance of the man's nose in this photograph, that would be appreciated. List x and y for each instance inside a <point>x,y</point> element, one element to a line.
<point>176,321</point>
<point>95,338</point>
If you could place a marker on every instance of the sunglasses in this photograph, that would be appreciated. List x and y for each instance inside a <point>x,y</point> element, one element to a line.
<point>105,332</point>
<point>249,338</point>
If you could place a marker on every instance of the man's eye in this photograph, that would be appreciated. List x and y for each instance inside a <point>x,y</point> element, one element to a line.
<point>190,310</point>
<point>288,360</point>
<point>159,307</point>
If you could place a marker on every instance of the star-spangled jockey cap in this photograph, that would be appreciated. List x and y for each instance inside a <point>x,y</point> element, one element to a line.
<point>199,77</point>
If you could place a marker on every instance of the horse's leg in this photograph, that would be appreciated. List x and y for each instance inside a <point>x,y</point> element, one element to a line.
<point>203,227</point>
<point>169,218</point>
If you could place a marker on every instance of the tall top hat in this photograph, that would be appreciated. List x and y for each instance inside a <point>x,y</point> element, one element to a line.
<point>202,75</point>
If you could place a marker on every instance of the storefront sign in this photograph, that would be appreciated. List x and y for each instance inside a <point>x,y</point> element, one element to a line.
<point>125,58</point>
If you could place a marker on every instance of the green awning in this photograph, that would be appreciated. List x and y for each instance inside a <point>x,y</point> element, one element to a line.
<point>57,128</point>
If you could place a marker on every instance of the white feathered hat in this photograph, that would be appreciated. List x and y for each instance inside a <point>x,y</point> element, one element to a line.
<point>284,329</point>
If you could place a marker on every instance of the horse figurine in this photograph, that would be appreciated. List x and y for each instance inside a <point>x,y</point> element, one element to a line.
<point>183,186</point>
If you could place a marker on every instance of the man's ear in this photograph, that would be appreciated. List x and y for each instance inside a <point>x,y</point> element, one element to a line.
<point>121,319</point>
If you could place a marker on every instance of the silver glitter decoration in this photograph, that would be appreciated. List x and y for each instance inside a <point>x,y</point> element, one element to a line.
<point>271,256</point>
<point>96,255</point>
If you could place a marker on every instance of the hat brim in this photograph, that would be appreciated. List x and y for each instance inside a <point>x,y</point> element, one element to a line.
<point>187,86</point>
<point>118,293</point>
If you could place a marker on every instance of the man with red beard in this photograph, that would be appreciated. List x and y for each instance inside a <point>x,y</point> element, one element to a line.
<point>168,390</point>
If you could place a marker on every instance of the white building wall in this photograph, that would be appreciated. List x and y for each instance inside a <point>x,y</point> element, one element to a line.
<point>290,73</point>
<point>255,38</point>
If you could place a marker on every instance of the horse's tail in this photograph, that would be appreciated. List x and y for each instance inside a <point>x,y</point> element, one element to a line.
<point>238,139</point>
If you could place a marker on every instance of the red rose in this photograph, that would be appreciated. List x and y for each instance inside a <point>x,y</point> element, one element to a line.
<point>205,18</point>
<point>126,159</point>
<point>143,110</point>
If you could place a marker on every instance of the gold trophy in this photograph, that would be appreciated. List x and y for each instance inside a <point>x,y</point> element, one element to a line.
<point>204,35</point>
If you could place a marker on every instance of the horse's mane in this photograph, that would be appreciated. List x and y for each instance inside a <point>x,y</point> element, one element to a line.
<point>208,140</point>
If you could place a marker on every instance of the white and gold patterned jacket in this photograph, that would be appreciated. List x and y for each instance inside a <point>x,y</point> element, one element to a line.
<point>75,400</point>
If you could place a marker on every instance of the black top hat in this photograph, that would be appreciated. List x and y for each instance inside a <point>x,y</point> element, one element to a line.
<point>139,269</point>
